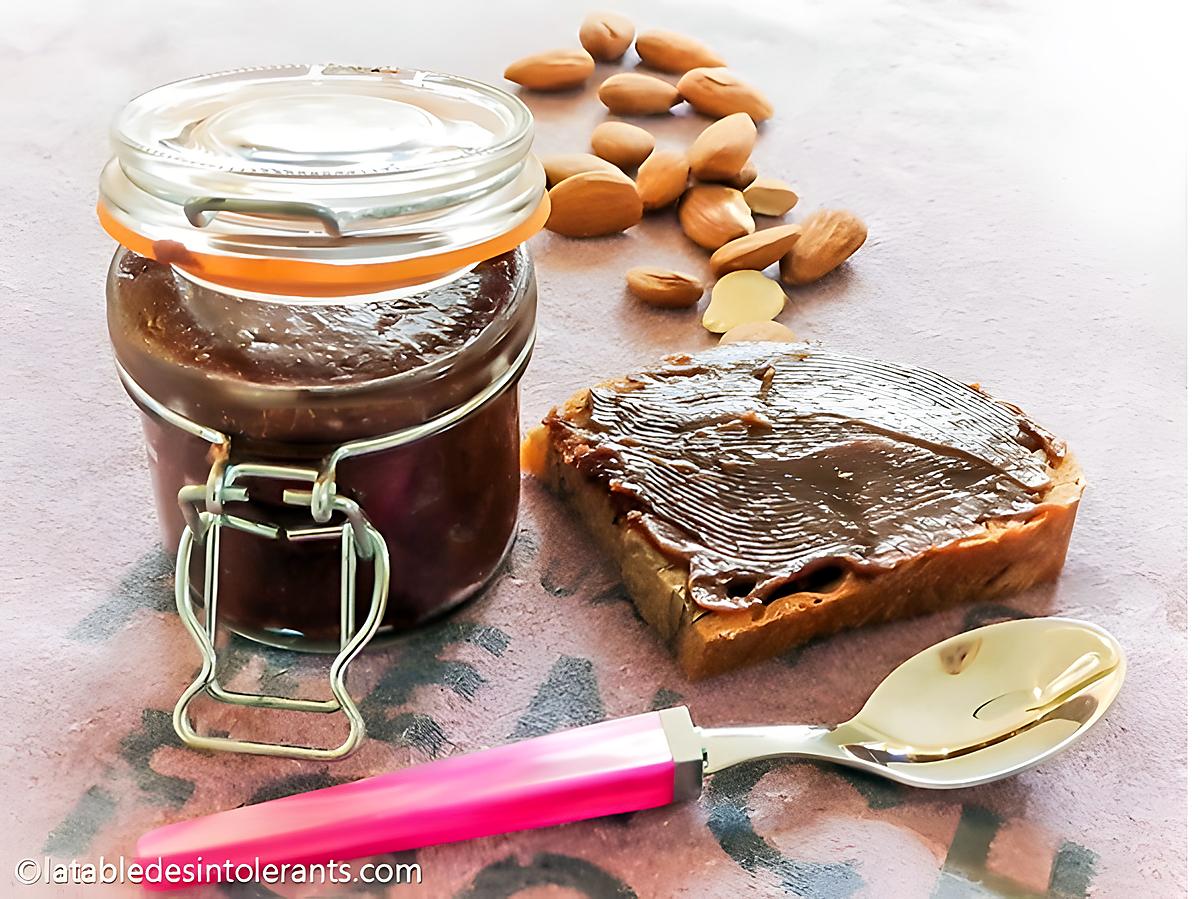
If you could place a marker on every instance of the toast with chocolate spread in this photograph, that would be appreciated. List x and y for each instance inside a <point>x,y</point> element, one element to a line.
<point>758,495</point>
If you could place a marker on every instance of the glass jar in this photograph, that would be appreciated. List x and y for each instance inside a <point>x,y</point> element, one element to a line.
<point>323,305</point>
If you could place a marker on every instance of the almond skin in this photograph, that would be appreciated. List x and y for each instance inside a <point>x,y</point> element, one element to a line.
<point>718,92</point>
<point>723,148</point>
<point>828,238</point>
<point>769,196</point>
<point>744,178</point>
<point>662,178</point>
<point>593,203</point>
<point>632,93</point>
<point>754,251</point>
<point>712,215</point>
<point>563,165</point>
<point>606,35</point>
<point>669,51</point>
<point>625,146</point>
<point>663,287</point>
<point>555,70</point>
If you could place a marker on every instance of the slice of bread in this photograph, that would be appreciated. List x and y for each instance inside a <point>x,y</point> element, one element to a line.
<point>1003,556</point>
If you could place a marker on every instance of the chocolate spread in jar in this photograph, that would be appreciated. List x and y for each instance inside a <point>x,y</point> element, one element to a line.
<point>289,381</point>
<point>756,465</point>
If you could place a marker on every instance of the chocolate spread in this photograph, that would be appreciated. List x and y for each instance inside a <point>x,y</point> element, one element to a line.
<point>767,468</point>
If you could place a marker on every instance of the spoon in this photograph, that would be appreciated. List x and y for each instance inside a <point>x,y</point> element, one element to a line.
<point>975,708</point>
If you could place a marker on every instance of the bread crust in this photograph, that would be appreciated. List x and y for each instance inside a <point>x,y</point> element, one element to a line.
<point>1007,556</point>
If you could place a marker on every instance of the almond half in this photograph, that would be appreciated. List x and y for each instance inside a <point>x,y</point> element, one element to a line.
<point>722,149</point>
<point>663,287</point>
<point>758,331</point>
<point>827,239</point>
<point>622,144</point>
<point>741,297</point>
<point>718,92</point>
<point>593,203</point>
<point>668,51</point>
<point>769,196</point>
<point>712,215</point>
<point>632,93</point>
<point>754,251</point>
<point>563,165</point>
<point>662,178</point>
<point>556,70</point>
<point>606,35</point>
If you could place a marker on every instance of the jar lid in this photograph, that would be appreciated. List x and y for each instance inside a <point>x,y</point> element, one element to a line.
<point>322,180</point>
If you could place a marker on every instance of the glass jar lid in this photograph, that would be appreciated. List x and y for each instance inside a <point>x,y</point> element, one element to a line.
<point>322,180</point>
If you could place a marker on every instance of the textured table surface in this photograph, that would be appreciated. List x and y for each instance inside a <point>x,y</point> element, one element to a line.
<point>1020,168</point>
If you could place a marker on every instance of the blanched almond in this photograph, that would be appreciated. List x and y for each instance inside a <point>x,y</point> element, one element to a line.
<point>556,70</point>
<point>827,239</point>
<point>662,178</point>
<point>606,35</point>
<point>593,203</point>
<point>668,51</point>
<point>741,297</point>
<point>622,144</point>
<point>758,331</point>
<point>712,215</point>
<point>770,196</point>
<point>718,92</point>
<point>754,251</point>
<point>564,165</point>
<point>662,287</point>
<point>723,148</point>
<point>632,93</point>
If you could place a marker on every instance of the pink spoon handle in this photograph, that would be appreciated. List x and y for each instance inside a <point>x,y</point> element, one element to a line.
<point>603,769</point>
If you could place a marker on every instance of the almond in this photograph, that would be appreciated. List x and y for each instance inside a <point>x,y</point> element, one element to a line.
<point>741,297</point>
<point>662,178</point>
<point>593,203</point>
<point>754,251</point>
<point>556,70</point>
<point>671,52</point>
<point>723,148</point>
<point>632,93</point>
<point>769,196</point>
<point>719,92</point>
<point>758,331</point>
<point>606,35</point>
<point>827,239</point>
<point>662,287</point>
<point>622,144</point>
<point>712,215</point>
<point>563,165</point>
<point>744,178</point>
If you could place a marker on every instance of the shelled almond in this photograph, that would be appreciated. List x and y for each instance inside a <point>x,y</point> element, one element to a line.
<point>664,287</point>
<point>662,178</point>
<point>632,93</point>
<point>712,215</point>
<point>622,144</point>
<point>563,165</point>
<point>592,204</point>
<point>555,70</point>
<point>769,196</point>
<point>718,92</point>
<point>606,35</point>
<point>754,251</point>
<point>744,178</point>
<point>827,239</point>
<point>669,51</point>
<point>722,149</point>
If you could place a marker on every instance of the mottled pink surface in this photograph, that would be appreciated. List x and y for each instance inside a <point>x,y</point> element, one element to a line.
<point>1020,167</point>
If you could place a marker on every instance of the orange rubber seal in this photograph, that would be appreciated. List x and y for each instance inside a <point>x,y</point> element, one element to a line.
<point>302,277</point>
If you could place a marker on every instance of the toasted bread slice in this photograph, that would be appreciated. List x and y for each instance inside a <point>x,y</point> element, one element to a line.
<point>1003,556</point>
